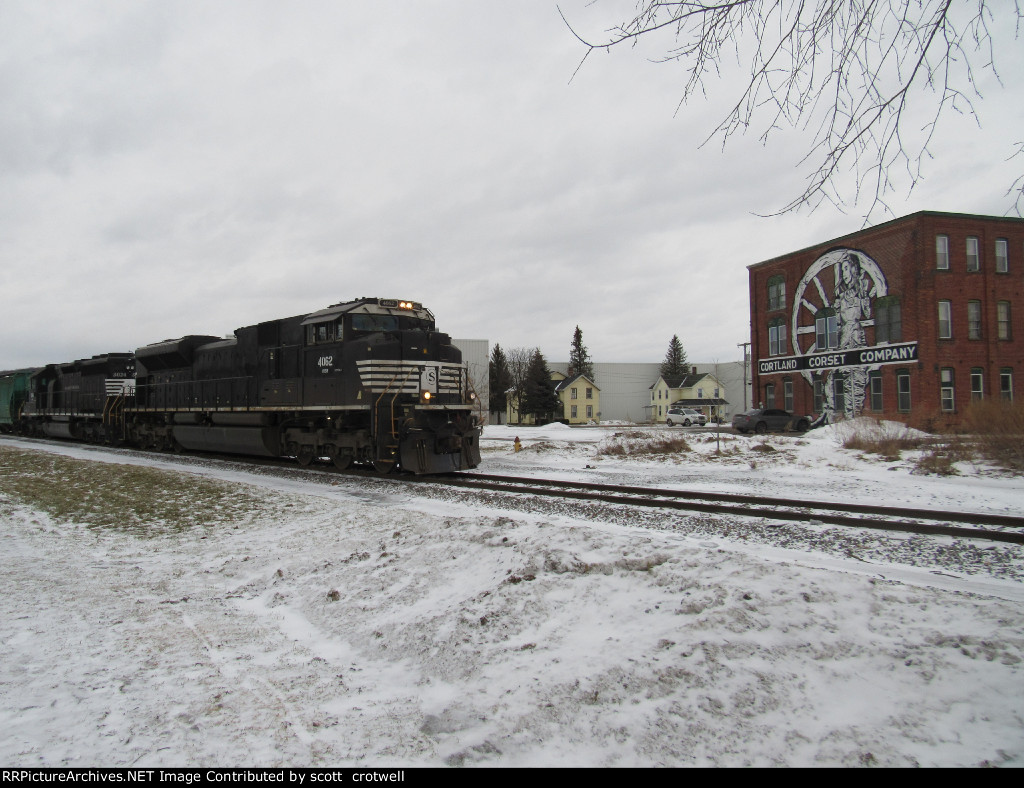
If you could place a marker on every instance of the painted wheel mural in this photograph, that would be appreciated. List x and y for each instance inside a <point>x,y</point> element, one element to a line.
<point>832,307</point>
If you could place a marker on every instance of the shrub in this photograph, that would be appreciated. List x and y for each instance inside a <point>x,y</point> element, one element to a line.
<point>937,461</point>
<point>630,444</point>
<point>998,429</point>
<point>885,438</point>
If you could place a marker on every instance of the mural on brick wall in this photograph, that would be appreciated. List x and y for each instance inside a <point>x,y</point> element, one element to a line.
<point>833,305</point>
<point>857,279</point>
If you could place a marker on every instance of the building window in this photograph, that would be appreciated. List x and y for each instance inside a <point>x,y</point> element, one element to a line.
<point>787,394</point>
<point>875,385</point>
<point>973,263</point>
<point>777,337</point>
<point>819,395</point>
<point>1003,319</point>
<point>572,393</point>
<point>945,319</point>
<point>590,393</point>
<point>777,292</point>
<point>942,252</point>
<point>826,329</point>
<point>590,411</point>
<point>1006,383</point>
<point>977,383</point>
<point>947,391</point>
<point>903,391</point>
<point>888,319</point>
<point>839,392</point>
<point>974,319</point>
<point>1002,256</point>
<point>572,412</point>
<point>769,395</point>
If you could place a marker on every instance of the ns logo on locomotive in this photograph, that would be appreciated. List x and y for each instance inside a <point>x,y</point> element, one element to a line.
<point>367,381</point>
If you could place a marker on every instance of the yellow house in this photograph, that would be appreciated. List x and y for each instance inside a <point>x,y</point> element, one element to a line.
<point>701,391</point>
<point>581,398</point>
<point>579,395</point>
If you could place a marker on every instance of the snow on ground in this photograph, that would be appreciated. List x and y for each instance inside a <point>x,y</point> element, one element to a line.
<point>361,622</point>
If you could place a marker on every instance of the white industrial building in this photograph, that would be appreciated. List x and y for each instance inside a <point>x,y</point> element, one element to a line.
<point>625,387</point>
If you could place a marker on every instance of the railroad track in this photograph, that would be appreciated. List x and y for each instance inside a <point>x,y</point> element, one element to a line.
<point>994,527</point>
<point>974,525</point>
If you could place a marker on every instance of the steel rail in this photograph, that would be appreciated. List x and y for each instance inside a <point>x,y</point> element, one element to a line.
<point>976,518</point>
<point>818,512</point>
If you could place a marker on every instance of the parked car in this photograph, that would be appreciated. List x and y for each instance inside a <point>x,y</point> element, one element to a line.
<point>685,416</point>
<point>761,420</point>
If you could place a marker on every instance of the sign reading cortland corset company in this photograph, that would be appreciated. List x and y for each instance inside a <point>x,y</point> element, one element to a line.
<point>836,359</point>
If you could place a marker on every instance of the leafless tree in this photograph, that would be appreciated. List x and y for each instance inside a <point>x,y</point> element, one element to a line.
<point>859,74</point>
<point>519,359</point>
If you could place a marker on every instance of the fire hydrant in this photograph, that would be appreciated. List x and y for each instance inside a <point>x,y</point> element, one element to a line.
<point>517,445</point>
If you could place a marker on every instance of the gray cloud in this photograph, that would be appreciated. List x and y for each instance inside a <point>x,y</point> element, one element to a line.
<point>172,168</point>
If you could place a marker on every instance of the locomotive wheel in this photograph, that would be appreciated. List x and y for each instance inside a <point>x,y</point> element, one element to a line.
<point>305,455</point>
<point>383,466</point>
<point>342,461</point>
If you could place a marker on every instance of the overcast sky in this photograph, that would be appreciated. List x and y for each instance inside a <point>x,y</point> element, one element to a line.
<point>169,168</point>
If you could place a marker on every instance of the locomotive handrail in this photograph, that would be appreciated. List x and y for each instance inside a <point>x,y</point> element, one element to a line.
<point>387,388</point>
<point>476,396</point>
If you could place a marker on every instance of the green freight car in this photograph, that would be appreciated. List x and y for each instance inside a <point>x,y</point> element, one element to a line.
<point>13,389</point>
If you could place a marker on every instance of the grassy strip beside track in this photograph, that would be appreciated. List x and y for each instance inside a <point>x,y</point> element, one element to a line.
<point>145,501</point>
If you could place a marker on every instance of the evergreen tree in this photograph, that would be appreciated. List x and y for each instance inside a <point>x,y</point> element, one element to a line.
<point>579,357</point>
<point>500,380</point>
<point>674,365</point>
<point>539,398</point>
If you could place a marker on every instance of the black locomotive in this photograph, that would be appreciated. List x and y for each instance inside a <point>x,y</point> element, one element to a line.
<point>366,381</point>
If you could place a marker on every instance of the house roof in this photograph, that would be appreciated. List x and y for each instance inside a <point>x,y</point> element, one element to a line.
<point>684,382</point>
<point>563,384</point>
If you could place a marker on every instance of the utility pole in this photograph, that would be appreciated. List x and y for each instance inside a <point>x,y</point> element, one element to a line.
<point>746,364</point>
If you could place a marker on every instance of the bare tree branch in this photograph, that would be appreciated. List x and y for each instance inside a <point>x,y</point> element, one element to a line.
<point>854,73</point>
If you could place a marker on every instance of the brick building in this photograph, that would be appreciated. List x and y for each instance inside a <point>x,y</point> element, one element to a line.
<point>909,320</point>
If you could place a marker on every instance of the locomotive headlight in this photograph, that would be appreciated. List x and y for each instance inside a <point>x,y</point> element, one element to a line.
<point>425,396</point>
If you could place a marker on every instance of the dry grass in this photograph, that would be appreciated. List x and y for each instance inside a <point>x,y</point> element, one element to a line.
<point>937,460</point>
<point>997,427</point>
<point>886,438</point>
<point>641,444</point>
<point>144,501</point>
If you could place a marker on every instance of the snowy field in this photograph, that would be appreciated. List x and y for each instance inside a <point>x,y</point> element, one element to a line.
<point>265,617</point>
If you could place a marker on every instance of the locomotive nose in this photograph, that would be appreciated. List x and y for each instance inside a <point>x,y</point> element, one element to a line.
<point>417,345</point>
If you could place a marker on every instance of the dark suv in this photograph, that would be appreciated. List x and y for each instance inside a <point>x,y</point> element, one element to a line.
<point>761,420</point>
